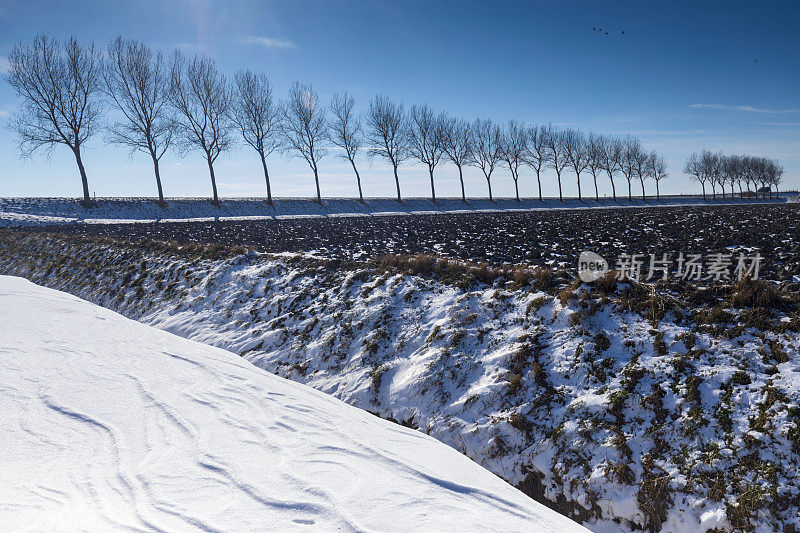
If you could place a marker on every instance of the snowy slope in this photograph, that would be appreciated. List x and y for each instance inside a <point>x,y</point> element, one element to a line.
<point>42,211</point>
<point>580,398</point>
<point>106,423</point>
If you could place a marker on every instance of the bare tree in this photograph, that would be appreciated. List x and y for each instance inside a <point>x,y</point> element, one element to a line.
<point>721,173</point>
<point>200,95</point>
<point>557,157</point>
<point>577,152</point>
<point>748,173</point>
<point>345,132</point>
<point>257,116</point>
<point>770,175</point>
<point>640,168</point>
<point>426,139</point>
<point>731,170</point>
<point>712,168</point>
<point>387,134</point>
<point>594,145</point>
<point>137,81</point>
<point>457,146</point>
<point>59,86</point>
<point>514,148</point>
<point>486,149</point>
<point>629,157</point>
<point>762,172</point>
<point>536,153</point>
<point>695,169</point>
<point>775,175</point>
<point>657,170</point>
<point>739,172</point>
<point>611,159</point>
<point>304,127</point>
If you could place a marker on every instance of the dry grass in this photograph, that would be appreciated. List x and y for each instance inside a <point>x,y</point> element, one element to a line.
<point>759,294</point>
<point>465,273</point>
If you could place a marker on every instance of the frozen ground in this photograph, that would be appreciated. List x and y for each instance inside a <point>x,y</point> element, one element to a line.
<point>546,237</point>
<point>37,211</point>
<point>106,423</point>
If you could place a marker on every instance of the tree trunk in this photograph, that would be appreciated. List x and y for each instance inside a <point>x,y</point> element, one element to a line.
<point>489,182</point>
<point>516,187</point>
<point>461,178</point>
<point>316,182</point>
<point>560,195</point>
<point>87,201</point>
<point>658,193</point>
<point>741,192</point>
<point>397,183</point>
<point>161,201</point>
<point>578,177</point>
<point>644,197</point>
<point>358,179</point>
<point>713,191</point>
<point>539,182</point>
<point>433,189</point>
<point>266,177</point>
<point>704,190</point>
<point>596,192</point>
<point>630,193</point>
<point>613,187</point>
<point>215,200</point>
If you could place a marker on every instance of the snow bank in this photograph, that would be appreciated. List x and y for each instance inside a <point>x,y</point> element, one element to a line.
<point>39,211</point>
<point>687,420</point>
<point>107,423</point>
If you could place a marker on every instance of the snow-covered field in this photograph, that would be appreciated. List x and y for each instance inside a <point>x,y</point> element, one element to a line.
<point>38,211</point>
<point>106,423</point>
<point>684,420</point>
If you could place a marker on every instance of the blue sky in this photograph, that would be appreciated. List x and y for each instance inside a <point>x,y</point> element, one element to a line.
<point>684,76</point>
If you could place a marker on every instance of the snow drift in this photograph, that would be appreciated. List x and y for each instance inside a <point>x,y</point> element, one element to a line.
<point>108,423</point>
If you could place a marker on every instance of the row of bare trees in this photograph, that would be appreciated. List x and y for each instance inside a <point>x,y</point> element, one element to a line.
<point>719,170</point>
<point>189,104</point>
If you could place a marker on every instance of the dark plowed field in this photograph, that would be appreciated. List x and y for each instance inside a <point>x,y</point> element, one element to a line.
<point>538,238</point>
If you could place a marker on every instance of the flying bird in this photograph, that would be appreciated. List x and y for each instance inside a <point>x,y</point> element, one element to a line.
<point>623,32</point>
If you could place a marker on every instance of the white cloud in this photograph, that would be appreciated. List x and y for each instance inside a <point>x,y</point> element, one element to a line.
<point>4,66</point>
<point>746,108</point>
<point>268,42</point>
<point>786,124</point>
